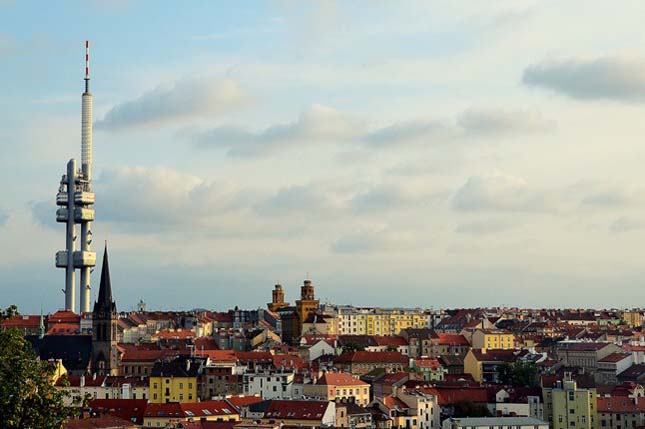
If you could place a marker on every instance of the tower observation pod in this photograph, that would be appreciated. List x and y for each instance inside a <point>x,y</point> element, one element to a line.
<point>75,200</point>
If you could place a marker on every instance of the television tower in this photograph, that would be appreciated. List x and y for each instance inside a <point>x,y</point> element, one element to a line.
<point>76,199</point>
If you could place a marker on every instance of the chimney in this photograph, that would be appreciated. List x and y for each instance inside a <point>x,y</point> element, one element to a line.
<point>82,381</point>
<point>187,364</point>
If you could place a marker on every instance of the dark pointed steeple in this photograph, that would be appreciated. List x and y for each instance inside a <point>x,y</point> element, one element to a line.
<point>104,300</point>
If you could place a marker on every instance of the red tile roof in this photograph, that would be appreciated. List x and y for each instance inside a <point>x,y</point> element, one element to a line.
<point>218,355</point>
<point>495,355</point>
<point>168,334</point>
<point>171,409</point>
<point>64,317</point>
<point>372,357</point>
<point>22,321</point>
<point>64,329</point>
<point>100,422</point>
<point>146,355</point>
<point>207,408</point>
<point>254,356</point>
<point>128,409</point>
<point>615,357</point>
<point>453,340</point>
<point>390,340</point>
<point>241,400</point>
<point>620,405</point>
<point>296,410</point>
<point>339,379</point>
<point>455,395</point>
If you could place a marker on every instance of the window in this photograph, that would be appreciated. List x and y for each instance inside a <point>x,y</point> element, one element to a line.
<point>154,396</point>
<point>181,385</point>
<point>154,385</point>
<point>190,385</point>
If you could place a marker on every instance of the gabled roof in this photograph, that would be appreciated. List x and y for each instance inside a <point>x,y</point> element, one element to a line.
<point>127,409</point>
<point>339,379</point>
<point>453,340</point>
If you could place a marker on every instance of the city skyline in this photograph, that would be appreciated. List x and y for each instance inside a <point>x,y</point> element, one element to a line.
<point>446,155</point>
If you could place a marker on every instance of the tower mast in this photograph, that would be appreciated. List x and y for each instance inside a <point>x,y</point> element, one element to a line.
<point>76,199</point>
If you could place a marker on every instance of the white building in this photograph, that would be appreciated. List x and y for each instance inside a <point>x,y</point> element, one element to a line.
<point>269,384</point>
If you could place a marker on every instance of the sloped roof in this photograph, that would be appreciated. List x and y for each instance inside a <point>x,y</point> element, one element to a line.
<point>339,379</point>
<point>372,357</point>
<point>74,350</point>
<point>453,340</point>
<point>99,422</point>
<point>296,410</point>
<point>127,409</point>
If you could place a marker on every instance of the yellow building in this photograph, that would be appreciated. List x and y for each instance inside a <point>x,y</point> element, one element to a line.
<point>332,386</point>
<point>174,381</point>
<point>484,365</point>
<point>493,339</point>
<point>633,318</point>
<point>378,321</point>
<point>568,407</point>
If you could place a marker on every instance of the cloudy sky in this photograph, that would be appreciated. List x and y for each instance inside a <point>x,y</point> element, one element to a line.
<point>432,153</point>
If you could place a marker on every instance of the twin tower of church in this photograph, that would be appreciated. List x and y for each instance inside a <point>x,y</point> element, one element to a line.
<point>293,317</point>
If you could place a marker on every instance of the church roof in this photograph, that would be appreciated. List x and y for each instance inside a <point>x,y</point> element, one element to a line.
<point>105,300</point>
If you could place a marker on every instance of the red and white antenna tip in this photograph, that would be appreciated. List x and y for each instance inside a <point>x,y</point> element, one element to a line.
<point>87,59</point>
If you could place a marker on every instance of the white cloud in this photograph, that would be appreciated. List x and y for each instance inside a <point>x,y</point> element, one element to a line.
<point>317,124</point>
<point>501,192</point>
<point>610,78</point>
<point>500,122</point>
<point>626,224</point>
<point>322,124</point>
<point>373,241</point>
<point>183,99</point>
<point>482,227</point>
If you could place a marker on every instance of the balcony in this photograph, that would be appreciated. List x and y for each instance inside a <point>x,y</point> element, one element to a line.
<point>81,259</point>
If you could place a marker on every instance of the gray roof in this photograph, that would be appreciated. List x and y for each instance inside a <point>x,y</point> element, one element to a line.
<point>498,421</point>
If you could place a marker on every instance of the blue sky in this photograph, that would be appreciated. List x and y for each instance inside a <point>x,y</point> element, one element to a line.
<point>435,153</point>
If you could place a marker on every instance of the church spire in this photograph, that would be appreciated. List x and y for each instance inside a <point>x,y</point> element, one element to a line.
<point>41,325</point>
<point>105,289</point>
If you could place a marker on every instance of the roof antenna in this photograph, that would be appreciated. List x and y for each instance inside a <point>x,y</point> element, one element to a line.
<point>87,66</point>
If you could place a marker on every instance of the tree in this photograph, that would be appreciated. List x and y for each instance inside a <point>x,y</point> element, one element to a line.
<point>9,313</point>
<point>525,374</point>
<point>519,374</point>
<point>470,409</point>
<point>28,397</point>
<point>353,347</point>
